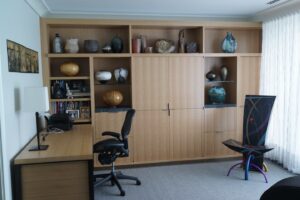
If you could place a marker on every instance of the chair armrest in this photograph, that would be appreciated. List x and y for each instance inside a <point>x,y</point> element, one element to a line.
<point>113,134</point>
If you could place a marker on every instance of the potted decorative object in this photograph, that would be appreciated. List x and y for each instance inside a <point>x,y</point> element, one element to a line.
<point>103,76</point>
<point>191,47</point>
<point>229,44</point>
<point>117,45</point>
<point>113,98</point>
<point>181,42</point>
<point>136,45</point>
<point>211,76</point>
<point>69,69</point>
<point>224,73</point>
<point>121,75</point>
<point>57,44</point>
<point>164,46</point>
<point>106,49</point>
<point>217,94</point>
<point>72,45</point>
<point>91,46</point>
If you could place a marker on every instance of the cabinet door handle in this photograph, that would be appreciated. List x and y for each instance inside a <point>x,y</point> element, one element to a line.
<point>220,131</point>
<point>169,112</point>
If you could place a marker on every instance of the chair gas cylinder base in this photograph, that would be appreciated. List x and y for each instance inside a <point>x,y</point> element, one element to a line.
<point>110,149</point>
<point>257,113</point>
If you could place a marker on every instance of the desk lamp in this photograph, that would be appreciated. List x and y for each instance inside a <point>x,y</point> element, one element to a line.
<point>35,99</point>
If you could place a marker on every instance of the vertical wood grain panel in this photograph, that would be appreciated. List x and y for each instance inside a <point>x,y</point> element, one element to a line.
<point>186,76</point>
<point>187,133</point>
<point>150,83</point>
<point>62,181</point>
<point>220,125</point>
<point>151,136</point>
<point>248,77</point>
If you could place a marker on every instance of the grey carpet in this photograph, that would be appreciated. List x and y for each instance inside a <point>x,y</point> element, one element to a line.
<point>197,181</point>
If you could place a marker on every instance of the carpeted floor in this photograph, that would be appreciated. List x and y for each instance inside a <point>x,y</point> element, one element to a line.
<point>197,181</point>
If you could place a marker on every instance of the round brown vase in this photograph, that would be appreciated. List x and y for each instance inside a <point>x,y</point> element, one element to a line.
<point>69,69</point>
<point>113,98</point>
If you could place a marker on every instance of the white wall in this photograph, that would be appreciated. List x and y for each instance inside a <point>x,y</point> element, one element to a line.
<point>18,23</point>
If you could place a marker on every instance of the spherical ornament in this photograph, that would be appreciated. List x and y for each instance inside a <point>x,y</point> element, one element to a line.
<point>69,69</point>
<point>113,98</point>
<point>217,94</point>
<point>103,76</point>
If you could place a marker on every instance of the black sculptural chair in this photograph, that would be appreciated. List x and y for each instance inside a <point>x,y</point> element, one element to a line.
<point>257,113</point>
<point>110,149</point>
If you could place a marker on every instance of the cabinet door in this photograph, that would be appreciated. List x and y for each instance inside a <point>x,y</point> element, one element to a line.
<point>187,127</point>
<point>247,78</point>
<point>220,125</point>
<point>112,122</point>
<point>151,136</point>
<point>186,82</point>
<point>150,83</point>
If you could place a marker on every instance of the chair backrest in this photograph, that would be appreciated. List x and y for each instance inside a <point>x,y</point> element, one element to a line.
<point>257,113</point>
<point>127,126</point>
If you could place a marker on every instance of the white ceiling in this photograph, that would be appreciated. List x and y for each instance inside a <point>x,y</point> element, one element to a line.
<point>160,8</point>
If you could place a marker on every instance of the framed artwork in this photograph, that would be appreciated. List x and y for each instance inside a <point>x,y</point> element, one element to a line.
<point>21,59</point>
<point>74,114</point>
<point>84,112</point>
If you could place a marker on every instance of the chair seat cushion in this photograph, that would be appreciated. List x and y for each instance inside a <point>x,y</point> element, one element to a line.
<point>288,188</point>
<point>108,144</point>
<point>239,147</point>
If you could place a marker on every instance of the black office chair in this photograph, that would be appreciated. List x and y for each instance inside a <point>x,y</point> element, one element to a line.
<point>257,113</point>
<point>110,149</point>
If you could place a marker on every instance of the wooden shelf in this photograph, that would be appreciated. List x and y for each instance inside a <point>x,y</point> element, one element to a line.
<point>211,82</point>
<point>224,105</point>
<point>68,100</point>
<point>113,84</point>
<point>230,54</point>
<point>87,55</point>
<point>69,78</point>
<point>165,54</point>
<point>82,120</point>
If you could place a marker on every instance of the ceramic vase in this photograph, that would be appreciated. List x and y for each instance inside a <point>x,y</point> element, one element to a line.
<point>136,45</point>
<point>91,46</point>
<point>69,69</point>
<point>57,44</point>
<point>113,98</point>
<point>211,76</point>
<point>121,75</point>
<point>72,45</point>
<point>229,44</point>
<point>217,94</point>
<point>224,73</point>
<point>117,45</point>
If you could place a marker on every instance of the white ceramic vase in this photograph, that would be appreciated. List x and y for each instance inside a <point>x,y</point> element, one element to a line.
<point>72,46</point>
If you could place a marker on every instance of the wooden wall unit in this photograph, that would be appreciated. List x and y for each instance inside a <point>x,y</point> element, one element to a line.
<point>174,120</point>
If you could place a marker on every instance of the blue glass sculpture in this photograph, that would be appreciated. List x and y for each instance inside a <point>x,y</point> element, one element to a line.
<point>229,44</point>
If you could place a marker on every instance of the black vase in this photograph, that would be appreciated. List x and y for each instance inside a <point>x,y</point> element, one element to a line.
<point>117,45</point>
<point>211,76</point>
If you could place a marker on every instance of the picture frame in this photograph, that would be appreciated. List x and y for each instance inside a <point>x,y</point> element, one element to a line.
<point>74,114</point>
<point>21,59</point>
<point>85,112</point>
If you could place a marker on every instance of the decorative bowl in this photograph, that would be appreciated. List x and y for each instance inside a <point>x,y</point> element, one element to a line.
<point>91,46</point>
<point>164,46</point>
<point>103,76</point>
<point>113,98</point>
<point>69,69</point>
<point>217,94</point>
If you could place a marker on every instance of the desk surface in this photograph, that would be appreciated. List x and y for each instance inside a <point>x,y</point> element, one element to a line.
<point>76,144</point>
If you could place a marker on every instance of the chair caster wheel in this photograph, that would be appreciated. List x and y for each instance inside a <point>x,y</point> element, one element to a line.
<point>138,182</point>
<point>122,193</point>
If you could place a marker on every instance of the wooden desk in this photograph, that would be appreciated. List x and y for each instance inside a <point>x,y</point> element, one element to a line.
<point>63,171</point>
